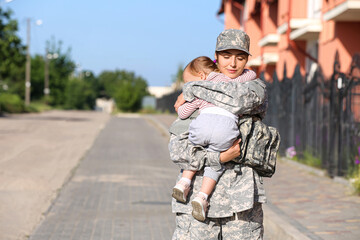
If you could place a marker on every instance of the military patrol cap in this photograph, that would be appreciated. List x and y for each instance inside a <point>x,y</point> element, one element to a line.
<point>233,39</point>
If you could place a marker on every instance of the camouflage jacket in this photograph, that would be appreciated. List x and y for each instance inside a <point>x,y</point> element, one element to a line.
<point>237,189</point>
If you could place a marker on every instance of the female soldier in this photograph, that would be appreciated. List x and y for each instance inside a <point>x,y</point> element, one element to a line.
<point>235,210</point>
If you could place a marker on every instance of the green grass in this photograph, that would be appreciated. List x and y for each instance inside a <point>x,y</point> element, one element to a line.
<point>308,159</point>
<point>354,177</point>
<point>39,106</point>
<point>149,110</point>
<point>356,185</point>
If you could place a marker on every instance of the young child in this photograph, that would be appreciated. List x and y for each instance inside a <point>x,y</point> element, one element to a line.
<point>215,128</point>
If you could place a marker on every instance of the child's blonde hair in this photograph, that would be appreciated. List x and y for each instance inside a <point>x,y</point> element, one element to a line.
<point>202,64</point>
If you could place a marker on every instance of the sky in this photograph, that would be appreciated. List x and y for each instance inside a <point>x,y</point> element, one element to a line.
<point>150,38</point>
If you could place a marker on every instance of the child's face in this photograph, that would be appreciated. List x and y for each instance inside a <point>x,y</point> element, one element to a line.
<point>190,77</point>
<point>231,62</point>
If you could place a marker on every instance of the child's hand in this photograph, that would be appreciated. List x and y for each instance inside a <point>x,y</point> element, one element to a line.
<point>231,153</point>
<point>180,101</point>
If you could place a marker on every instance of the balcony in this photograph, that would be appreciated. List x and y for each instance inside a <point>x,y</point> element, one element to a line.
<point>302,28</point>
<point>297,23</point>
<point>267,58</point>
<point>270,58</point>
<point>269,40</point>
<point>309,31</point>
<point>347,11</point>
<point>254,62</point>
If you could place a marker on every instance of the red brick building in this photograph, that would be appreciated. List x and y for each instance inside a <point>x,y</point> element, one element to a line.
<point>307,32</point>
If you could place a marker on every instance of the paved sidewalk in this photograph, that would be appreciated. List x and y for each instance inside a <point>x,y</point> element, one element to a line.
<point>121,189</point>
<point>37,154</point>
<point>302,204</point>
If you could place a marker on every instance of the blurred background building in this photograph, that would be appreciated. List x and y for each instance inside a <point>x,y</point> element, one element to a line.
<point>296,32</point>
<point>308,53</point>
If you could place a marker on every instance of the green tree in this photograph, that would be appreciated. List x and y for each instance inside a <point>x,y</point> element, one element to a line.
<point>125,88</point>
<point>178,77</point>
<point>107,81</point>
<point>12,55</point>
<point>79,94</point>
<point>60,70</point>
<point>37,77</point>
<point>94,82</point>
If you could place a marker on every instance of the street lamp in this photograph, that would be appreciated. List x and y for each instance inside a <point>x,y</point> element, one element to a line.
<point>48,56</point>
<point>28,62</point>
<point>79,71</point>
<point>5,1</point>
<point>4,86</point>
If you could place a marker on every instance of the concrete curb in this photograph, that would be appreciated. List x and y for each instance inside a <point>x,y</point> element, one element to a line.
<point>160,126</point>
<point>276,225</point>
<point>319,172</point>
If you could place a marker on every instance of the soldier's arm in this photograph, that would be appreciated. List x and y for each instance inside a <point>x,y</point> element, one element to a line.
<point>239,98</point>
<point>190,157</point>
<point>184,154</point>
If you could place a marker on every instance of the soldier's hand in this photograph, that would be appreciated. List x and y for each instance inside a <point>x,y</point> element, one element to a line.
<point>180,101</point>
<point>231,153</point>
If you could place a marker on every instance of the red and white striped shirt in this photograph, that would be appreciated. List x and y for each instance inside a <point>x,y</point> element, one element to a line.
<point>185,110</point>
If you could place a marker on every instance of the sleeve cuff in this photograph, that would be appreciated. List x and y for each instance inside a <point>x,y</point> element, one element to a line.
<point>187,93</point>
<point>213,159</point>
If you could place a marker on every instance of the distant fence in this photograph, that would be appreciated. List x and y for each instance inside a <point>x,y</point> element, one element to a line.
<point>166,103</point>
<point>316,116</point>
<point>319,116</point>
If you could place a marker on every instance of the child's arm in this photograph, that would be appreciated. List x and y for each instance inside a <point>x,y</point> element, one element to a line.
<point>185,110</point>
<point>179,101</point>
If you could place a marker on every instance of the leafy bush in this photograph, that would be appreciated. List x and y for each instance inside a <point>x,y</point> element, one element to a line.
<point>356,184</point>
<point>11,103</point>
<point>125,88</point>
<point>311,160</point>
<point>306,158</point>
<point>39,106</point>
<point>354,173</point>
<point>79,95</point>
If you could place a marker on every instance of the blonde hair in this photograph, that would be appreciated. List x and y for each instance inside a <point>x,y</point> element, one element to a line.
<point>202,64</point>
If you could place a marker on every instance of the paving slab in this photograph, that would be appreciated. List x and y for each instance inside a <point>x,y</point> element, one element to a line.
<point>121,189</point>
<point>37,155</point>
<point>303,203</point>
<point>317,205</point>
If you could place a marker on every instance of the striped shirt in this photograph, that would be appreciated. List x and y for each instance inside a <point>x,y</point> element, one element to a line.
<point>185,110</point>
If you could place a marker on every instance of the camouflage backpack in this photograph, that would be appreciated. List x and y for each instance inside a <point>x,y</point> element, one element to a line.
<point>259,145</point>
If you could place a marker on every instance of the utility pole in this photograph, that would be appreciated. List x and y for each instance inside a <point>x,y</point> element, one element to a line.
<point>28,66</point>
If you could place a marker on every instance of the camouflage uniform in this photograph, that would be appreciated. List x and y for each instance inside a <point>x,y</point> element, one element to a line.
<point>235,210</point>
<point>243,225</point>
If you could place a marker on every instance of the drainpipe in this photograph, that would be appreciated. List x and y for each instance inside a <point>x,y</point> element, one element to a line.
<point>262,7</point>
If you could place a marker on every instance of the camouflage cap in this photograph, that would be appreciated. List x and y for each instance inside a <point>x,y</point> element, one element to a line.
<point>233,39</point>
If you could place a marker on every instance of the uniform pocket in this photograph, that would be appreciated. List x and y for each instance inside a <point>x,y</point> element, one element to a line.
<point>182,222</point>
